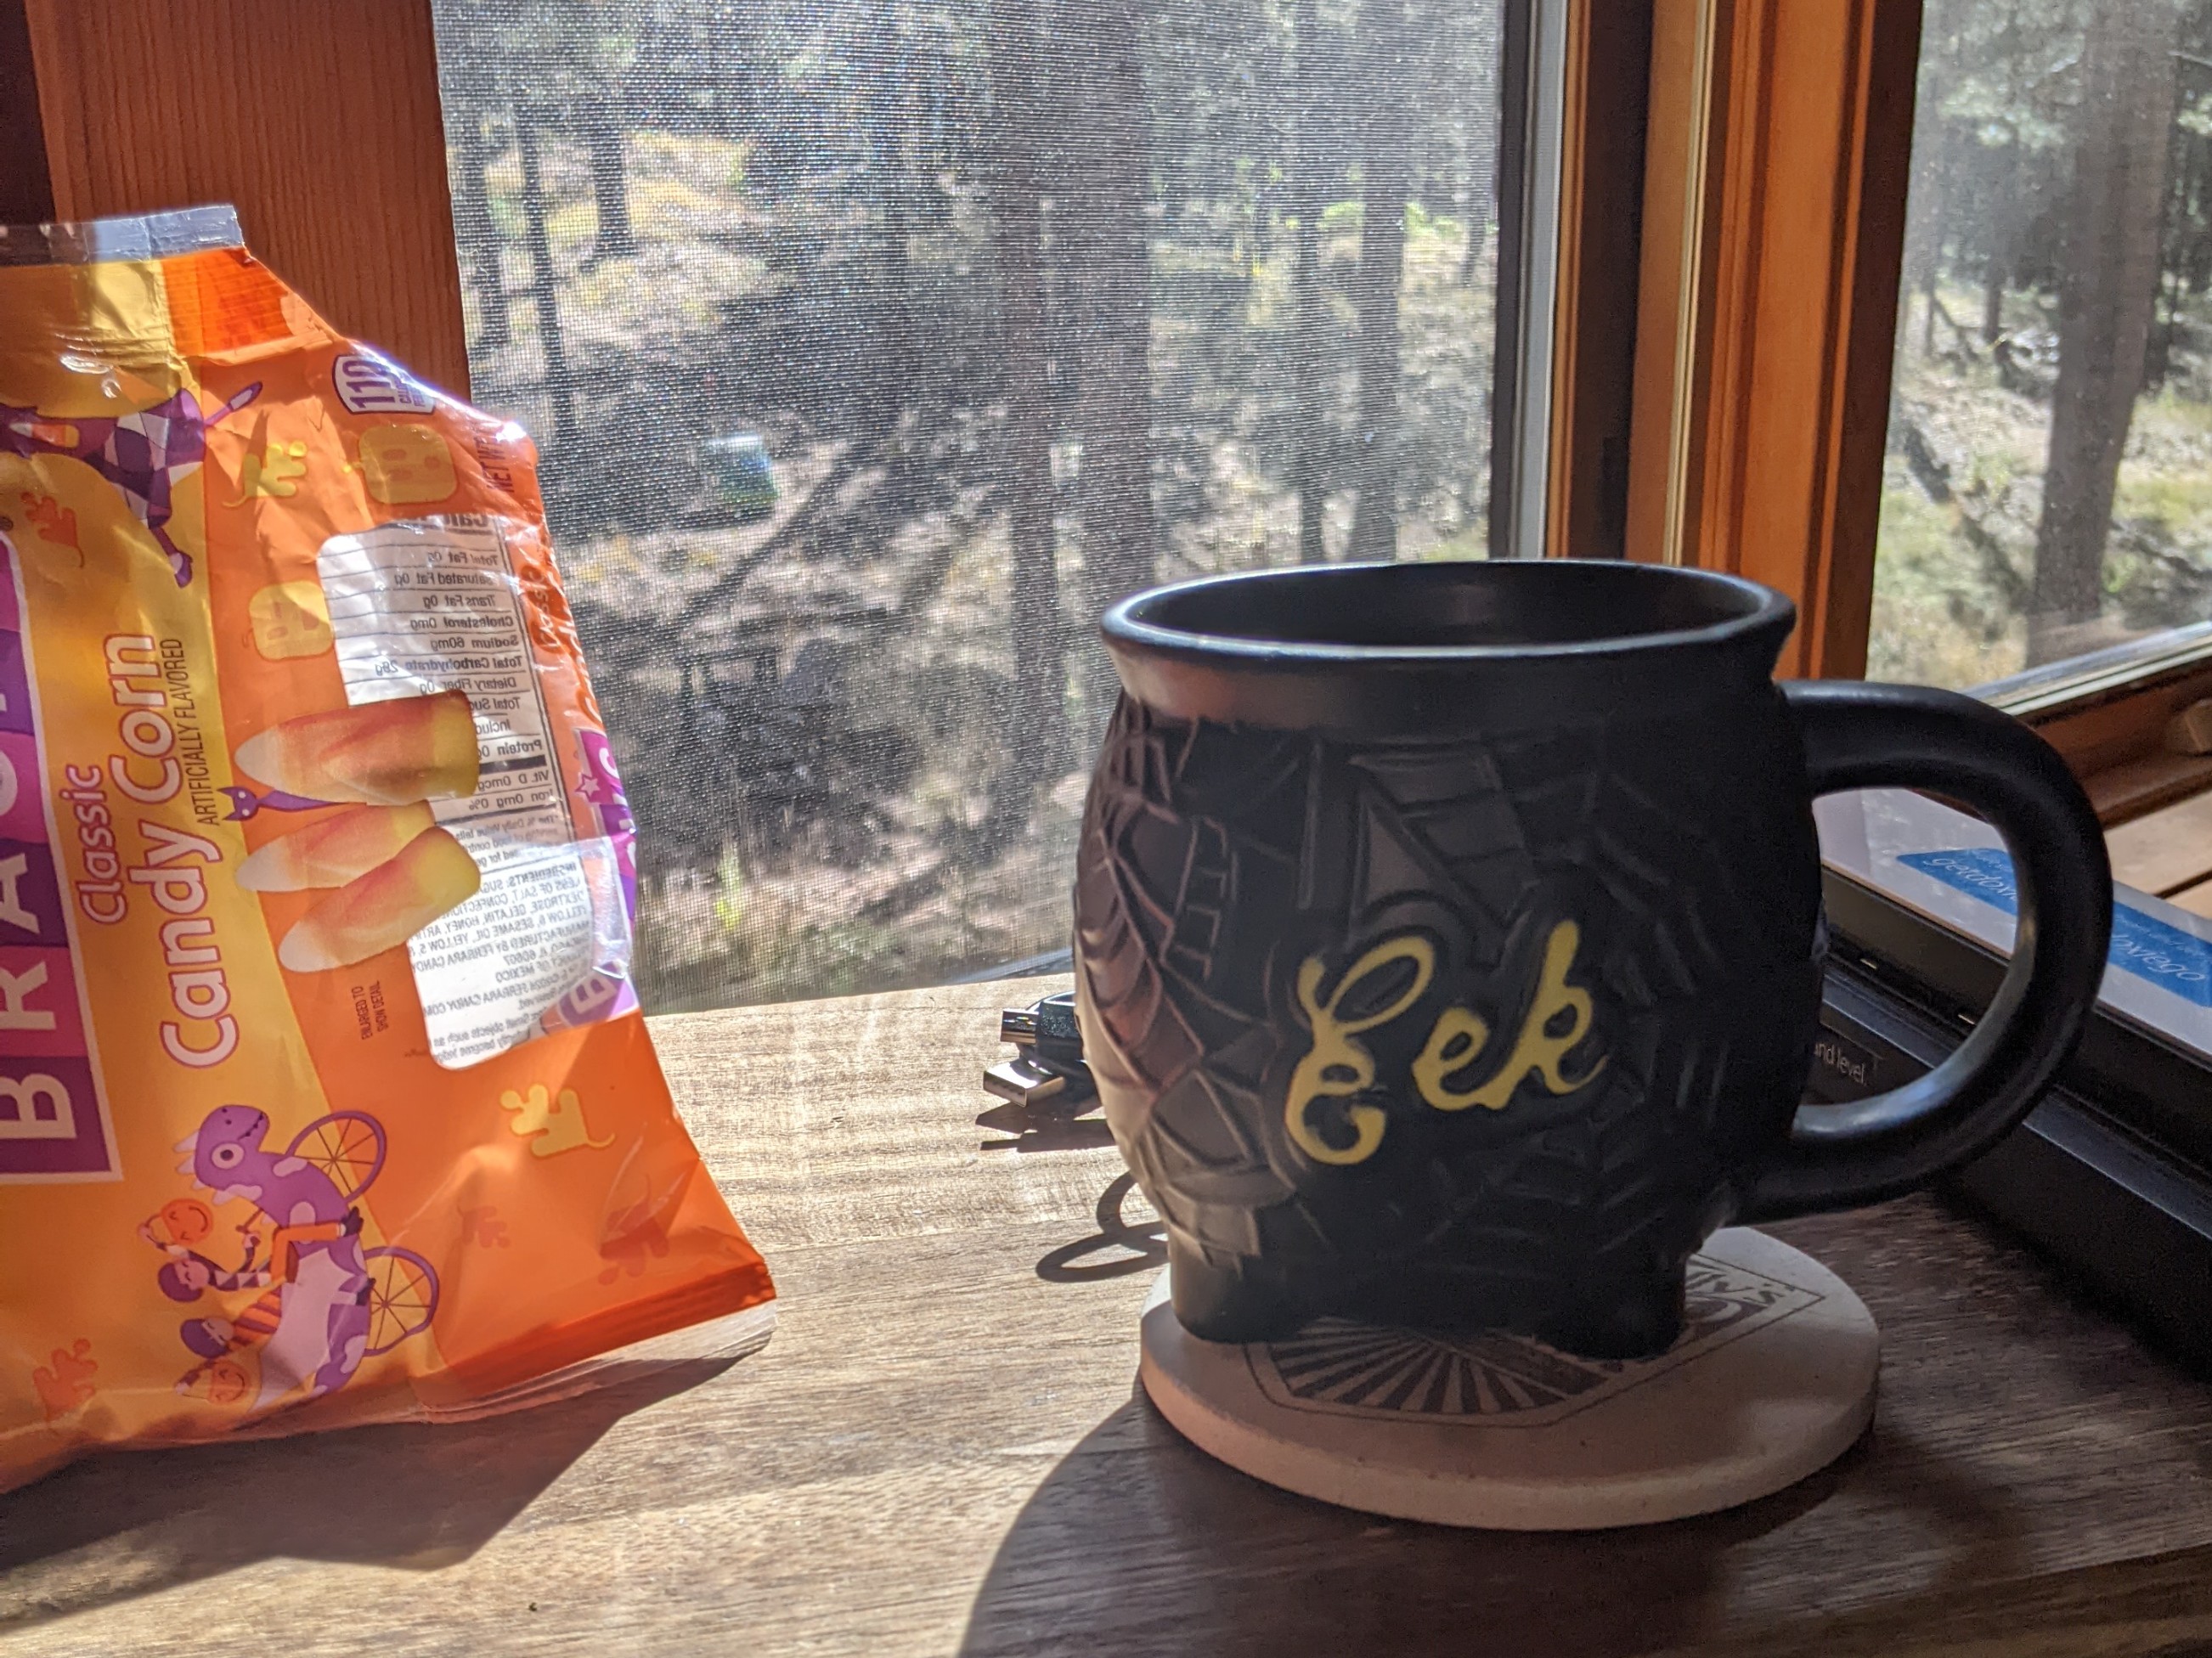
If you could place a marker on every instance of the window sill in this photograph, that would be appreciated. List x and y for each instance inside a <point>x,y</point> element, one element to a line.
<point>941,1449</point>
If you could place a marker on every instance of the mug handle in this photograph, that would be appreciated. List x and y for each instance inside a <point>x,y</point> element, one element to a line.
<point>1857,736</point>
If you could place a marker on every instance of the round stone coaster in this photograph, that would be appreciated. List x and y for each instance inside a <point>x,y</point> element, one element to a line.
<point>1772,1379</point>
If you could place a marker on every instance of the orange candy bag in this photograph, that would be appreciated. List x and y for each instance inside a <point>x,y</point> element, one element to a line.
<point>325,1096</point>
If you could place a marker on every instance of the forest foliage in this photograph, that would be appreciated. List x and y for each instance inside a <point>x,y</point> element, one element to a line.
<point>1030,303</point>
<point>2049,484</point>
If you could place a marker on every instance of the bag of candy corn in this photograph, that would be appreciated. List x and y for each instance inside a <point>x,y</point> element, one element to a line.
<point>324,1096</point>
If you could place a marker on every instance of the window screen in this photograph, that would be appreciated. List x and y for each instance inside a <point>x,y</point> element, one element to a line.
<point>2047,507</point>
<point>873,348</point>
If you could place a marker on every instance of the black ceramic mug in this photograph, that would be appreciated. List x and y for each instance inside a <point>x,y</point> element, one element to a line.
<point>1449,940</point>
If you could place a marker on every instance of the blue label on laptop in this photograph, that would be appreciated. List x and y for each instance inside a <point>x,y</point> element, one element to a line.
<point>2142,945</point>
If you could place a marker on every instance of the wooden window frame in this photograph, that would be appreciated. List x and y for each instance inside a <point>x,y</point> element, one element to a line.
<point>1776,165</point>
<point>1601,208</point>
<point>320,123</point>
<point>2114,739</point>
<point>1780,139</point>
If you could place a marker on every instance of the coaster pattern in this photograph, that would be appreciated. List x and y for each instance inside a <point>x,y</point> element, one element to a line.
<point>1493,1380</point>
<point>1774,1377</point>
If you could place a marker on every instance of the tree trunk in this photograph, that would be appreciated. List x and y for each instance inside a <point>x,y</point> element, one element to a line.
<point>1996,268</point>
<point>1102,189</point>
<point>1386,156</point>
<point>1478,223</point>
<point>2158,347</point>
<point>2173,219</point>
<point>1308,166</point>
<point>1040,683</point>
<point>2195,257</point>
<point>2108,278</point>
<point>1482,167</point>
<point>544,290</point>
<point>603,127</point>
<point>1929,208</point>
<point>898,350</point>
<point>476,232</point>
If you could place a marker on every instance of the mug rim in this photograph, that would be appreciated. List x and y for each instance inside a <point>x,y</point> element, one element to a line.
<point>1127,623</point>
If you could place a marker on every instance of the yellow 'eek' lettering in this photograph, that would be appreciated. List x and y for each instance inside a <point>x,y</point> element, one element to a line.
<point>1459,1035</point>
<point>1336,1067</point>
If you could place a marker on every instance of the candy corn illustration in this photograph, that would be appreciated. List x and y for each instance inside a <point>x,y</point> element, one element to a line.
<point>333,850</point>
<point>389,904</point>
<point>383,754</point>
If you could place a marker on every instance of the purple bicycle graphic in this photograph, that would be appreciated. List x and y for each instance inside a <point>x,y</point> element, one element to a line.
<point>329,1301</point>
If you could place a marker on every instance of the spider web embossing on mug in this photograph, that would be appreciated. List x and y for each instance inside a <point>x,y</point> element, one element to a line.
<point>1492,1379</point>
<point>1207,845</point>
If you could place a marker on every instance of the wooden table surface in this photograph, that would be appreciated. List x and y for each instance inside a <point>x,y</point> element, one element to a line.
<point>944,1451</point>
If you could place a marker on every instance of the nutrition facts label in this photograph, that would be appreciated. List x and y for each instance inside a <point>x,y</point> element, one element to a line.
<point>431,606</point>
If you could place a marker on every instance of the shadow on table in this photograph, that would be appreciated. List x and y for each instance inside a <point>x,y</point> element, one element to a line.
<point>1119,1248</point>
<point>408,1495</point>
<point>1171,1550</point>
<point>1041,1131</point>
<point>1137,1542</point>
